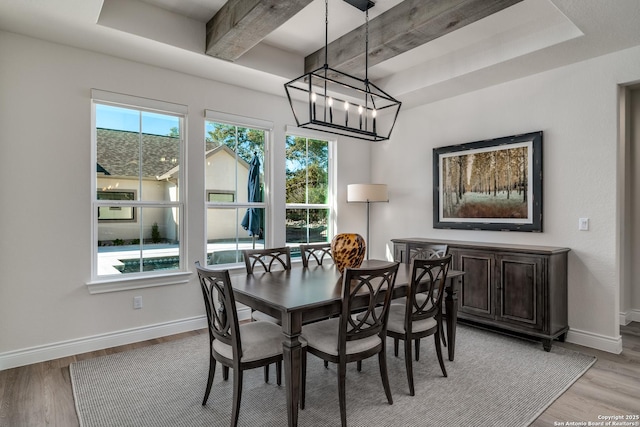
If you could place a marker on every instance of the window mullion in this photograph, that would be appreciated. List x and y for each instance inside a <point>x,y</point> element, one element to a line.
<point>306,167</point>
<point>140,159</point>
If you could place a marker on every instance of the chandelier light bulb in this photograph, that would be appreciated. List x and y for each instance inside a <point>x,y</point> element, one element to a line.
<point>313,102</point>
<point>346,113</point>
<point>374,113</point>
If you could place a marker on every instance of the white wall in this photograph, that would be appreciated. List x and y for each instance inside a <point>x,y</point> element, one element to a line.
<point>633,293</point>
<point>45,176</point>
<point>576,108</point>
<point>625,191</point>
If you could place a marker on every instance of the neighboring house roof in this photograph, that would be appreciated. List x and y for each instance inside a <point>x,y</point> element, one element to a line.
<point>118,153</point>
<point>223,148</point>
<point>210,152</point>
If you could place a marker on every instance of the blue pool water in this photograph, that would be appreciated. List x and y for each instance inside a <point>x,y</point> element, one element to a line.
<point>149,264</point>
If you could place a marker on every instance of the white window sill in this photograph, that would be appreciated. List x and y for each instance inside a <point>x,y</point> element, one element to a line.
<point>101,286</point>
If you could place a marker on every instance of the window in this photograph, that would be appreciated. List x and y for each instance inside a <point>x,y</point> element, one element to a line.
<point>221,196</point>
<point>308,190</point>
<point>235,154</point>
<point>116,213</point>
<point>138,203</point>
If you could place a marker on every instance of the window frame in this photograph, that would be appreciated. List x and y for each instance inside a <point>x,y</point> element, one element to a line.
<point>243,122</point>
<point>295,131</point>
<point>110,283</point>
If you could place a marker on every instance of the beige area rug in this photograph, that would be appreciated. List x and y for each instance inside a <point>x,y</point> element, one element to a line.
<point>494,381</point>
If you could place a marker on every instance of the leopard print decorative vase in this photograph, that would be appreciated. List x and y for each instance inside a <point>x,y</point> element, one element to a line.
<point>347,250</point>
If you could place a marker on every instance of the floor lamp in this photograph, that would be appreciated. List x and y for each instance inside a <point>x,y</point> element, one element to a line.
<point>367,193</point>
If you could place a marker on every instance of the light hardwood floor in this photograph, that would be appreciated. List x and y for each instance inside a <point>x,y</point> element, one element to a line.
<point>41,395</point>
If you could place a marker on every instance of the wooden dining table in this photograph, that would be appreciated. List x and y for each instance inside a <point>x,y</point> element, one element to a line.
<point>302,295</point>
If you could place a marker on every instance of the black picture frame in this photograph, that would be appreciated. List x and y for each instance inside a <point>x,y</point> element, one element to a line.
<point>494,184</point>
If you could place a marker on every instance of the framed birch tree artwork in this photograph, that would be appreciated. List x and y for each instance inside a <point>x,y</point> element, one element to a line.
<point>489,185</point>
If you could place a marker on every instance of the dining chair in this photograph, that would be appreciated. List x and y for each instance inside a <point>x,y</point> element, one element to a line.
<point>269,259</point>
<point>420,316</point>
<point>240,347</point>
<point>317,251</point>
<point>428,251</point>
<point>344,339</point>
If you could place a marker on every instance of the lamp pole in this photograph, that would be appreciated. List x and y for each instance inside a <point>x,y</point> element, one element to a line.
<point>367,193</point>
<point>367,241</point>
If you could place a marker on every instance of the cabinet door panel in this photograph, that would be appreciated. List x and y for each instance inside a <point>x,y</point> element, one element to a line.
<point>520,290</point>
<point>476,290</point>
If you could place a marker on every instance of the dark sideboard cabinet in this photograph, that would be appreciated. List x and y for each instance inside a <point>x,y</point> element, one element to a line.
<point>517,288</point>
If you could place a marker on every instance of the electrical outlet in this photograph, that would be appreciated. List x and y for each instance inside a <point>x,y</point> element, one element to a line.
<point>583,224</point>
<point>137,302</point>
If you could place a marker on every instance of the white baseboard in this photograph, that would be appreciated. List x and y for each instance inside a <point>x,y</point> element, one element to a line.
<point>597,341</point>
<point>28,356</point>
<point>72,347</point>
<point>41,353</point>
<point>629,316</point>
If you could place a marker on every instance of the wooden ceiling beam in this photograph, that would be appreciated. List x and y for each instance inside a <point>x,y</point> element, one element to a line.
<point>405,26</point>
<point>241,24</point>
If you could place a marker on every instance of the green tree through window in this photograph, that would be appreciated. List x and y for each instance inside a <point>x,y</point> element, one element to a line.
<point>307,190</point>
<point>244,141</point>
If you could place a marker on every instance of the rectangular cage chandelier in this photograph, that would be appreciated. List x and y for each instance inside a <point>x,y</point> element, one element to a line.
<point>329,100</point>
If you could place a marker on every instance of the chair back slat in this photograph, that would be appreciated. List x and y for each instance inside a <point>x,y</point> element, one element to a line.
<point>376,284</point>
<point>223,320</point>
<point>268,259</point>
<point>428,252</point>
<point>317,251</point>
<point>428,279</point>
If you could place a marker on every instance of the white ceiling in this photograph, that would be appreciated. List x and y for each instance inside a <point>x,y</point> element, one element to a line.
<point>527,38</point>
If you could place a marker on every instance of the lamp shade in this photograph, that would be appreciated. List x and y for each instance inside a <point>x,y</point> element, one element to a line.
<point>367,193</point>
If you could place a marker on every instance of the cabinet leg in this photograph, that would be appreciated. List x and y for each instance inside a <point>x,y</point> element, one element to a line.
<point>562,337</point>
<point>546,344</point>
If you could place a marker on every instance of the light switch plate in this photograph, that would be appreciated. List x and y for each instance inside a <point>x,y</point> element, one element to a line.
<point>583,224</point>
